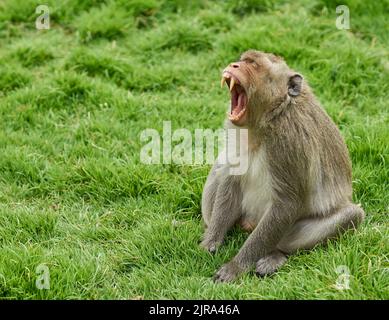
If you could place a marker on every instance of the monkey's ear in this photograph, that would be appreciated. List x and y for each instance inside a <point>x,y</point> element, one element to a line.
<point>294,85</point>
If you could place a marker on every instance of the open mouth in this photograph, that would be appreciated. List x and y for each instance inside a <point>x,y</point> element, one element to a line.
<point>238,97</point>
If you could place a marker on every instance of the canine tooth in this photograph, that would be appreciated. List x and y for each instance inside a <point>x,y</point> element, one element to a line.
<point>223,80</point>
<point>232,83</point>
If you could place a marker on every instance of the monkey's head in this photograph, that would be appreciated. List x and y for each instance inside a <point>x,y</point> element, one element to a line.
<point>258,82</point>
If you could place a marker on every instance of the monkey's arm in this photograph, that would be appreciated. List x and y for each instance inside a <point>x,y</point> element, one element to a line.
<point>226,211</point>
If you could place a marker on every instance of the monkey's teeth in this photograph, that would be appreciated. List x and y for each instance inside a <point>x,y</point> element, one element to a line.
<point>236,117</point>
<point>240,113</point>
<point>232,83</point>
<point>222,82</point>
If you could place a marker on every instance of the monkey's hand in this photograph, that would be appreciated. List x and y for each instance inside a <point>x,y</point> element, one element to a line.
<point>228,272</point>
<point>211,245</point>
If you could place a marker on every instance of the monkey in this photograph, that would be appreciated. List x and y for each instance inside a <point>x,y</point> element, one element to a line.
<point>297,190</point>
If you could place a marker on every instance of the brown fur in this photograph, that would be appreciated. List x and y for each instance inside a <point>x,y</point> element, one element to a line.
<point>297,191</point>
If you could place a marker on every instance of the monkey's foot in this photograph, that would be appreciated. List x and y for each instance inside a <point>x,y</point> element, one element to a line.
<point>210,245</point>
<point>270,264</point>
<point>228,272</point>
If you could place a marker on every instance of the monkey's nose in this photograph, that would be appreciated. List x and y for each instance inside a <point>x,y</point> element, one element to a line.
<point>234,65</point>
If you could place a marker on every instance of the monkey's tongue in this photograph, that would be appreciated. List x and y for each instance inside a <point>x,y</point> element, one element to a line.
<point>238,105</point>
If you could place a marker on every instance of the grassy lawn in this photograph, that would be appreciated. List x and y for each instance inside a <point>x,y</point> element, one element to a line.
<point>74,195</point>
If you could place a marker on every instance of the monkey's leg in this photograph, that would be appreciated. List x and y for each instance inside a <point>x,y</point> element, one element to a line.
<point>226,211</point>
<point>262,241</point>
<point>306,233</point>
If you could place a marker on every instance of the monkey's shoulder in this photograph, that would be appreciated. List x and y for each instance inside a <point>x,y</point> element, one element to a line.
<point>301,125</point>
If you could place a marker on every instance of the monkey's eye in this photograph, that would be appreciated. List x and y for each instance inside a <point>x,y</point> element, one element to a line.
<point>252,62</point>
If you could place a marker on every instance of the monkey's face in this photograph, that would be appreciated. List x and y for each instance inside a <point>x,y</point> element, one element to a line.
<point>256,82</point>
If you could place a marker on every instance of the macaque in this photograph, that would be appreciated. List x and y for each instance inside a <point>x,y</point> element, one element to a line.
<point>297,190</point>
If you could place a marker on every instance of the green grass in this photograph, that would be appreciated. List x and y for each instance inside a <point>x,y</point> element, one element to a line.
<point>74,100</point>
